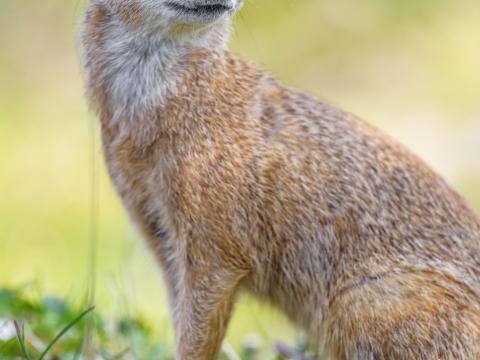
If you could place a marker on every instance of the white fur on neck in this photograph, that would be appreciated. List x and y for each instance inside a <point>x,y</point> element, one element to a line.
<point>141,68</point>
<point>139,74</point>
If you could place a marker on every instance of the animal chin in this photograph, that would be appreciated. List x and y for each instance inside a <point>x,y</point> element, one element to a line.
<point>199,12</point>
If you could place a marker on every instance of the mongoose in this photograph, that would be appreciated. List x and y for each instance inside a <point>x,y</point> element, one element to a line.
<point>241,183</point>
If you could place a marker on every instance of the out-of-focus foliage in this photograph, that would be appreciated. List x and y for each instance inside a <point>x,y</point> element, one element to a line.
<point>41,318</point>
<point>29,322</point>
<point>408,66</point>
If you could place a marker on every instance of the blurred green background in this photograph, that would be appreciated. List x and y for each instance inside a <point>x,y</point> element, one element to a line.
<point>412,67</point>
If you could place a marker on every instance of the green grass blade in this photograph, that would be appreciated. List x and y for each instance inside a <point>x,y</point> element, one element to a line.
<point>21,340</point>
<point>64,330</point>
<point>6,344</point>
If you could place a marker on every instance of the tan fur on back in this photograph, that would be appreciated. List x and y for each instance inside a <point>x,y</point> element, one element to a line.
<point>239,182</point>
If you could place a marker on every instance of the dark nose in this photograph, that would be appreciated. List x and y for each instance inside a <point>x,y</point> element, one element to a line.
<point>214,3</point>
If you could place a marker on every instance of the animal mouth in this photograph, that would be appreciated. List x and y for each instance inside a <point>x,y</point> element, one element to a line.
<point>200,10</point>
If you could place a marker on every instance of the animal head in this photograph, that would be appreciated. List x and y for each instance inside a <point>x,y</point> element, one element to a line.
<point>173,17</point>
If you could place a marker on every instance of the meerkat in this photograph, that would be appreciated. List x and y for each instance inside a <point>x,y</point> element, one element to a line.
<point>241,183</point>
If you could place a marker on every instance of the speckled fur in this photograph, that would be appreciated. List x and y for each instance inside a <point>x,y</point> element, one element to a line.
<point>239,182</point>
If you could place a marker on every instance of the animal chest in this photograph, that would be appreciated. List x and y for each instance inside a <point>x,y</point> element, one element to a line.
<point>139,170</point>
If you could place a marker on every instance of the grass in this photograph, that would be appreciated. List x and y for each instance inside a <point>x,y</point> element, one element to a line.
<point>33,327</point>
<point>36,328</point>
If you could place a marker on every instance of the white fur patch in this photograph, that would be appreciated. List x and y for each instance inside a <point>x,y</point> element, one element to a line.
<point>140,67</point>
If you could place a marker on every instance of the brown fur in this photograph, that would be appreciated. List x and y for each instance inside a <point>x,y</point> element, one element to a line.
<point>238,183</point>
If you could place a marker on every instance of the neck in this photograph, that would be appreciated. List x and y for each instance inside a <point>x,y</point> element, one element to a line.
<point>133,70</point>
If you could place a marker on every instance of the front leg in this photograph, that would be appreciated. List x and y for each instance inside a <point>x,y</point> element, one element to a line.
<point>206,301</point>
